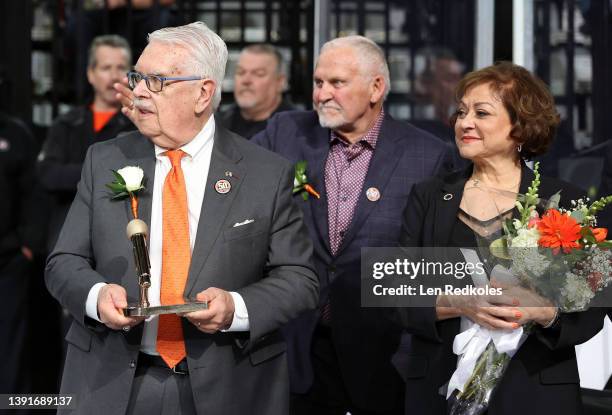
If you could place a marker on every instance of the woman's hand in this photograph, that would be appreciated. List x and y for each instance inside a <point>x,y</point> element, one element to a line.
<point>529,305</point>
<point>479,309</point>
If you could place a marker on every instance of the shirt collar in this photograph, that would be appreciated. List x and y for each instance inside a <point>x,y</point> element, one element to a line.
<point>370,137</point>
<point>195,146</point>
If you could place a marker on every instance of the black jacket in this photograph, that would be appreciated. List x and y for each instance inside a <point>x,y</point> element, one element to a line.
<point>364,339</point>
<point>542,376</point>
<point>62,155</point>
<point>233,120</point>
<point>20,221</point>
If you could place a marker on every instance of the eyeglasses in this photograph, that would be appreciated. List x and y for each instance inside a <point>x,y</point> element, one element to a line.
<point>155,83</point>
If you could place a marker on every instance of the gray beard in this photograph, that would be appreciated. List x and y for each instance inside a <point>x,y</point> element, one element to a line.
<point>327,122</point>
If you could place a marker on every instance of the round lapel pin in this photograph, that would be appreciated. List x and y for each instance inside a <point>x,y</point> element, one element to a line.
<point>223,186</point>
<point>448,196</point>
<point>373,194</point>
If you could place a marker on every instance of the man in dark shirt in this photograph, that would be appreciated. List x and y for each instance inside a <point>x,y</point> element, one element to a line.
<point>61,158</point>
<point>20,241</point>
<point>259,81</point>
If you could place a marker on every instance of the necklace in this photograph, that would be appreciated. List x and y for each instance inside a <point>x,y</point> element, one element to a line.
<point>476,183</point>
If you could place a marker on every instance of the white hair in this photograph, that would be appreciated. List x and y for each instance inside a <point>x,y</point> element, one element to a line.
<point>370,55</point>
<point>207,49</point>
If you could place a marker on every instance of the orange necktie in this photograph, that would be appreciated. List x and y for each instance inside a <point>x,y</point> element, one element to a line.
<point>176,256</point>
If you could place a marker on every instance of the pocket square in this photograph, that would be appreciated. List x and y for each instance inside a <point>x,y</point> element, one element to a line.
<point>246,222</point>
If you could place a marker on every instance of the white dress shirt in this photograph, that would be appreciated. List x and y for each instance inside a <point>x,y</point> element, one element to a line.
<point>195,165</point>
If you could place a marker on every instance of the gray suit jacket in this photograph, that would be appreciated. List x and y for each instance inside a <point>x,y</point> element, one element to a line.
<point>268,262</point>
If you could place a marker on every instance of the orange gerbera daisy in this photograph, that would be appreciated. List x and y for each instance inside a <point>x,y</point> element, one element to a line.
<point>558,231</point>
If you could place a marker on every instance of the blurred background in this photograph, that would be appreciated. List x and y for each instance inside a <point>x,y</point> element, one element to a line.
<point>430,44</point>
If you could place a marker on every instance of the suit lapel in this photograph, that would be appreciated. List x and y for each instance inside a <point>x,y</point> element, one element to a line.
<point>448,201</point>
<point>215,206</point>
<point>141,154</point>
<point>383,162</point>
<point>316,157</point>
<point>446,205</point>
<point>146,198</point>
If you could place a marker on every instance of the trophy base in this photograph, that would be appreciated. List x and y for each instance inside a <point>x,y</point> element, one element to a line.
<point>138,311</point>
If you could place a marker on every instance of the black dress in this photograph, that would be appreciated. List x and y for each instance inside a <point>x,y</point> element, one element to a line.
<point>542,377</point>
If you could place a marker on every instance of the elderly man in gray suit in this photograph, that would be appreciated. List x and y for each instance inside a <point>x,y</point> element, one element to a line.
<point>223,228</point>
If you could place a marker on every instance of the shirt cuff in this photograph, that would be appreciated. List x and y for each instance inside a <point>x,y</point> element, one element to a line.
<point>241,315</point>
<point>91,305</point>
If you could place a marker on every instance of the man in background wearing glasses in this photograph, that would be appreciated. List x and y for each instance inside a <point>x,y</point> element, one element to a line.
<point>223,228</point>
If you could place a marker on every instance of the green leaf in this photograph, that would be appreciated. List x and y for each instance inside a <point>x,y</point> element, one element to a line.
<point>298,189</point>
<point>519,206</point>
<point>116,187</point>
<point>300,170</point>
<point>499,248</point>
<point>605,244</point>
<point>119,196</point>
<point>305,196</point>
<point>118,177</point>
<point>587,234</point>
<point>578,215</point>
<point>553,202</point>
<point>508,227</point>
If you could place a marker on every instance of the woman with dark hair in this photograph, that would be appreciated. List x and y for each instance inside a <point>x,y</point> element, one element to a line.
<point>504,115</point>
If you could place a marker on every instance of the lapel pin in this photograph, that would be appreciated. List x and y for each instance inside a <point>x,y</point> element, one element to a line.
<point>5,145</point>
<point>448,196</point>
<point>223,186</point>
<point>373,194</point>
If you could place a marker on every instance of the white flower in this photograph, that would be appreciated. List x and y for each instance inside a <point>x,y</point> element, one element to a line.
<point>528,262</point>
<point>576,293</point>
<point>133,177</point>
<point>526,238</point>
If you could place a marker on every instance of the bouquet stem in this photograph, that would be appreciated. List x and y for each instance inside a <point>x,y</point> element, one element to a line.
<point>476,395</point>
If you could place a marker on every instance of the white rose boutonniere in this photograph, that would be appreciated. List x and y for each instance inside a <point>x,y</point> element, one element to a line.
<point>128,181</point>
<point>133,178</point>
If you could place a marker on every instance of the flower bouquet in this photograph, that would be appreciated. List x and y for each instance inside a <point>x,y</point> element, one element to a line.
<point>557,257</point>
